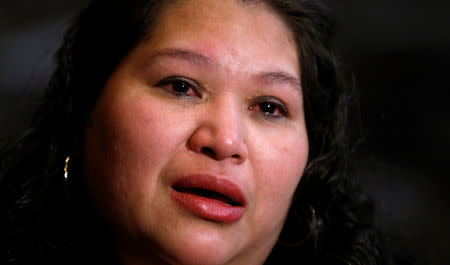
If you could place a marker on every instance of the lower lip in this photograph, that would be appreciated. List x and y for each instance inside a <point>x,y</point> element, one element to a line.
<point>207,208</point>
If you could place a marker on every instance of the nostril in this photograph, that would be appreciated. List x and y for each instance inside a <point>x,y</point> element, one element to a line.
<point>209,152</point>
<point>236,156</point>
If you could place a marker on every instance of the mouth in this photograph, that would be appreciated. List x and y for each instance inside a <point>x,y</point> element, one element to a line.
<point>209,197</point>
<point>208,194</point>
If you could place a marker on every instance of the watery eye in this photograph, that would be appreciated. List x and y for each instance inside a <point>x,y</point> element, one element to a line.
<point>179,86</point>
<point>269,107</point>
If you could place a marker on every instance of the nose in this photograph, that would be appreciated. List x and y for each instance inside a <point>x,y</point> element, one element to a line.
<point>220,134</point>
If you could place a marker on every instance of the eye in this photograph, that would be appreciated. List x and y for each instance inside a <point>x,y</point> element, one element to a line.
<point>180,86</point>
<point>269,107</point>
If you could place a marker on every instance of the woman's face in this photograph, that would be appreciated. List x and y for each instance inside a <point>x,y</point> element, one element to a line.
<point>198,141</point>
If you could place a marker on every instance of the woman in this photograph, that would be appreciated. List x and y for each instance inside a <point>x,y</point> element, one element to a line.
<point>189,132</point>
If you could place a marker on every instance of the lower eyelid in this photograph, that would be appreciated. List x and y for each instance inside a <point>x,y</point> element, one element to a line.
<point>276,103</point>
<point>284,114</point>
<point>171,79</point>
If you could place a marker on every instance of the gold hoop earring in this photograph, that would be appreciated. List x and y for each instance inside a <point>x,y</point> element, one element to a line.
<point>66,169</point>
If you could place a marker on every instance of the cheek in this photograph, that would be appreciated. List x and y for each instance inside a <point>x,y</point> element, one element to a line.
<point>123,150</point>
<point>280,165</point>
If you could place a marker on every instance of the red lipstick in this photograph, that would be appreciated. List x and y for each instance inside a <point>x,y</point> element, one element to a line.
<point>209,197</point>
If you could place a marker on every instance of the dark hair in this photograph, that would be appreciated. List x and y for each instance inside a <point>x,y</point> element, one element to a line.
<point>329,221</point>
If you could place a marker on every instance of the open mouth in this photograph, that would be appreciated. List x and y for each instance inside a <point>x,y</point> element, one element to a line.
<point>209,197</point>
<point>209,194</point>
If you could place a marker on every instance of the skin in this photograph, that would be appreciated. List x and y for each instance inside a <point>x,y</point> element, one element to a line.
<point>143,135</point>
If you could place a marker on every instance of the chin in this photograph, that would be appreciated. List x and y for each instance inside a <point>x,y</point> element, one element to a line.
<point>203,242</point>
<point>202,245</point>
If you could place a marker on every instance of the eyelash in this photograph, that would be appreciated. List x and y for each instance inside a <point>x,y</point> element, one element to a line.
<point>274,105</point>
<point>186,83</point>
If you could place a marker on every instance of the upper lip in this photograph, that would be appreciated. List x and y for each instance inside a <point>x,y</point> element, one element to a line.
<point>212,183</point>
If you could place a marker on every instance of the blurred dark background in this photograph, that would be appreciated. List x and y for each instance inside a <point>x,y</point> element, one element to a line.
<point>399,52</point>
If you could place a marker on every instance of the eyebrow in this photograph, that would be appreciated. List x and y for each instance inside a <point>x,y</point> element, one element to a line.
<point>189,56</point>
<point>276,78</point>
<point>196,58</point>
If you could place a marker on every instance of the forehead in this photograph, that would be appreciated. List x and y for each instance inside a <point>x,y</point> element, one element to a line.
<point>233,32</point>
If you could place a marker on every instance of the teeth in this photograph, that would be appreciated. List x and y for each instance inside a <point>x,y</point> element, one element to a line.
<point>207,194</point>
